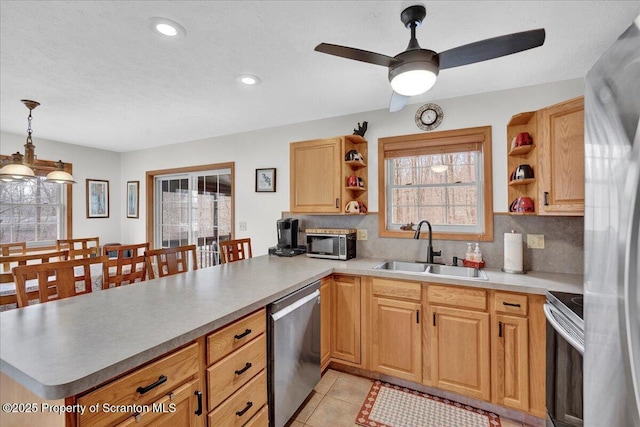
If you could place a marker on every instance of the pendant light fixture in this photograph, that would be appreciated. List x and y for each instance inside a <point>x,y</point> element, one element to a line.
<point>22,167</point>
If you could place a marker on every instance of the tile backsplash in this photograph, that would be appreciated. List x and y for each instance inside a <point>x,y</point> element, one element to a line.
<point>563,239</point>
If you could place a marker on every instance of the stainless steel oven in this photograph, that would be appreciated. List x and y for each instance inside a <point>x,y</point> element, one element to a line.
<point>565,349</point>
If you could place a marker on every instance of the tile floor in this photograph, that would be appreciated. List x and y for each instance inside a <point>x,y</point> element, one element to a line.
<point>337,399</point>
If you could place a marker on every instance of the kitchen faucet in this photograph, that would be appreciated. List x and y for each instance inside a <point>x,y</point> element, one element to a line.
<point>430,252</point>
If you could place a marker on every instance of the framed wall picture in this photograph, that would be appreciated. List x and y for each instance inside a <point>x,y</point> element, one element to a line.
<point>266,180</point>
<point>97,198</point>
<point>133,198</point>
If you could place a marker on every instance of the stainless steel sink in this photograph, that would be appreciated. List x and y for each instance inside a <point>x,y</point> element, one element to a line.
<point>413,267</point>
<point>448,271</point>
<point>455,271</point>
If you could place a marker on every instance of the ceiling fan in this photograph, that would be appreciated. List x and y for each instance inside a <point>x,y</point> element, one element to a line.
<point>415,70</point>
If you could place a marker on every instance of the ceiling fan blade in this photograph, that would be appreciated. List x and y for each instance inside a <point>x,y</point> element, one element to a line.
<point>397,102</point>
<point>491,48</point>
<point>357,54</point>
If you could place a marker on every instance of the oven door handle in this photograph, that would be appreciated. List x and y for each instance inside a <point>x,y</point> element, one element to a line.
<point>550,314</point>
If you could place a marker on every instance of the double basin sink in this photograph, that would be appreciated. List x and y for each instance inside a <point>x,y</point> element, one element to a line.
<point>439,270</point>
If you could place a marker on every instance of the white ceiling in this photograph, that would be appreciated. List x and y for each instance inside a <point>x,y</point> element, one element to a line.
<point>105,80</point>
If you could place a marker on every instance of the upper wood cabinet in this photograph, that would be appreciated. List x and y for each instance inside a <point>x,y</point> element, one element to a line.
<point>561,158</point>
<point>320,172</point>
<point>556,157</point>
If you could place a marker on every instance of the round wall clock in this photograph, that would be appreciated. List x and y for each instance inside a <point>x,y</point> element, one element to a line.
<point>429,116</point>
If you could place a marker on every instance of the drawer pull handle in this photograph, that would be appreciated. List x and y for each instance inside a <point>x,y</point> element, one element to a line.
<point>510,304</point>
<point>243,370</point>
<point>242,335</point>
<point>161,380</point>
<point>199,410</point>
<point>246,408</point>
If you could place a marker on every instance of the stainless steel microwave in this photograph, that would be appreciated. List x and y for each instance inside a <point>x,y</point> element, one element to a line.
<point>331,243</point>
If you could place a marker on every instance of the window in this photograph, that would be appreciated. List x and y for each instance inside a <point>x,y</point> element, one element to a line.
<point>192,206</point>
<point>443,177</point>
<point>34,210</point>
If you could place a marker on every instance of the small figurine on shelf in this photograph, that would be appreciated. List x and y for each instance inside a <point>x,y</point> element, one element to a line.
<point>407,227</point>
<point>361,129</point>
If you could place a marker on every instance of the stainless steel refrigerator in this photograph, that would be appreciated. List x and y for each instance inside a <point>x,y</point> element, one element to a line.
<point>612,246</point>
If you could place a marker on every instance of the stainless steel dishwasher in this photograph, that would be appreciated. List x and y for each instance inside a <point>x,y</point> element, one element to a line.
<point>294,351</point>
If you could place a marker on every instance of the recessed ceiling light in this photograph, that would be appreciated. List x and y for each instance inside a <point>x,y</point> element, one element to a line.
<point>165,27</point>
<point>249,79</point>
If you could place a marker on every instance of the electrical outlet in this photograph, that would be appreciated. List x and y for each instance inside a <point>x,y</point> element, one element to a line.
<point>243,225</point>
<point>362,234</point>
<point>535,241</point>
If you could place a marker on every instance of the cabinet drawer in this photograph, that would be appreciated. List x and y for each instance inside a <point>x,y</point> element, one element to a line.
<point>168,373</point>
<point>235,370</point>
<point>234,336</point>
<point>460,297</point>
<point>397,289</point>
<point>261,419</point>
<point>243,405</point>
<point>178,408</point>
<point>510,303</point>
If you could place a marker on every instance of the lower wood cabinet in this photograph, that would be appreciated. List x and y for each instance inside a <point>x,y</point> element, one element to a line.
<point>345,318</point>
<point>460,358</point>
<point>396,345</point>
<point>325,322</point>
<point>510,355</point>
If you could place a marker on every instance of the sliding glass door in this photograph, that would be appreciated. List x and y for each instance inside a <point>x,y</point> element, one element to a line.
<point>194,208</point>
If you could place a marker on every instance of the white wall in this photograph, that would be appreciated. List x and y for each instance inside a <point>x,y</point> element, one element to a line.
<point>270,148</point>
<point>87,163</point>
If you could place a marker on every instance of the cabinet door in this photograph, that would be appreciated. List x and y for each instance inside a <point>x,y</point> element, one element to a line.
<point>460,359</point>
<point>561,159</point>
<point>325,322</point>
<point>510,362</point>
<point>396,338</point>
<point>182,407</point>
<point>316,179</point>
<point>345,319</point>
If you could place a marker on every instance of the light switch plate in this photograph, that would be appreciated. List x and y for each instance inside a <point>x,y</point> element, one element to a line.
<point>535,241</point>
<point>361,234</point>
<point>243,225</point>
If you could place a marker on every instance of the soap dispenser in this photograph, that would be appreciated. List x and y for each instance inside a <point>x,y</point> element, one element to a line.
<point>477,255</point>
<point>469,254</point>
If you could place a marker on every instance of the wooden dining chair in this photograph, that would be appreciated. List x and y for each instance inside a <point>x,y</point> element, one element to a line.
<point>15,248</point>
<point>56,280</point>
<point>126,267</point>
<point>80,248</point>
<point>235,250</point>
<point>6,276</point>
<point>171,261</point>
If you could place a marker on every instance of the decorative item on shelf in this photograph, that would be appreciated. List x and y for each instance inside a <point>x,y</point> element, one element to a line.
<point>522,205</point>
<point>523,138</point>
<point>22,167</point>
<point>407,227</point>
<point>353,155</point>
<point>352,181</point>
<point>361,129</point>
<point>266,180</point>
<point>522,172</point>
<point>355,207</point>
<point>429,116</point>
<point>360,182</point>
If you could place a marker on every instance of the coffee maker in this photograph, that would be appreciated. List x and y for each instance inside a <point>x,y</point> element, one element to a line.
<point>287,229</point>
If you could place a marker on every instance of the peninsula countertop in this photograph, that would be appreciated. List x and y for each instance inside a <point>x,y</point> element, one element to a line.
<point>62,348</point>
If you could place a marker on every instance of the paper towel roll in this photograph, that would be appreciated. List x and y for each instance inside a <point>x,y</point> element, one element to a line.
<point>513,253</point>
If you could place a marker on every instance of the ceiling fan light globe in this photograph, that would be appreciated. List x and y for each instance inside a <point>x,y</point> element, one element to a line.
<point>413,82</point>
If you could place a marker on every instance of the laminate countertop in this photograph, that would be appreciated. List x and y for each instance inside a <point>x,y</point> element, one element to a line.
<point>62,348</point>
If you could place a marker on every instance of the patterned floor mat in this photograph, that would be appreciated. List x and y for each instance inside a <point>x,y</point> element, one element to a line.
<point>388,405</point>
